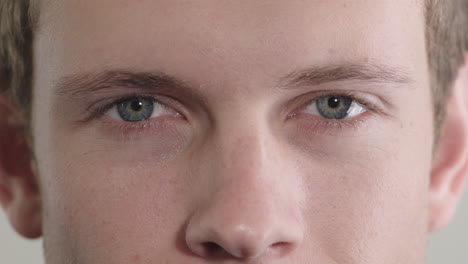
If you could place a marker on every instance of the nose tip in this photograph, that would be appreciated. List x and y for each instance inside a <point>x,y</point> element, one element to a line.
<point>244,208</point>
<point>240,241</point>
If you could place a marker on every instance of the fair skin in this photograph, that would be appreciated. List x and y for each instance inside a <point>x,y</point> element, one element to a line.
<point>239,166</point>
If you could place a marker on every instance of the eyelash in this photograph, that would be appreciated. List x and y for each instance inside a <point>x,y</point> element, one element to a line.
<point>321,125</point>
<point>318,124</point>
<point>128,130</point>
<point>97,112</point>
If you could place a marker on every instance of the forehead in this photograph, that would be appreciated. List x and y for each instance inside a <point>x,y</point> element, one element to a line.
<point>229,40</point>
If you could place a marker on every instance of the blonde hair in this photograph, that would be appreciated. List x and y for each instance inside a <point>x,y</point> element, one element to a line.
<point>447,42</point>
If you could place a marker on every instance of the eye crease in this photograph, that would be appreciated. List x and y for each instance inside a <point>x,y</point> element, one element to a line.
<point>138,109</point>
<point>335,107</point>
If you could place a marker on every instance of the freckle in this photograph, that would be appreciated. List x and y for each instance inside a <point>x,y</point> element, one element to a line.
<point>136,258</point>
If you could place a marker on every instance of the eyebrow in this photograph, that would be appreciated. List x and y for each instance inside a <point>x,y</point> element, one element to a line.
<point>81,84</point>
<point>370,73</point>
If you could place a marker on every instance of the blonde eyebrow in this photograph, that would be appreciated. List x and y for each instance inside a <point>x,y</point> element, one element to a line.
<point>79,84</point>
<point>346,72</point>
<point>75,85</point>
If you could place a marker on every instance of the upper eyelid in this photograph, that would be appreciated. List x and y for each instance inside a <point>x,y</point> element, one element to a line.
<point>93,111</point>
<point>360,101</point>
<point>296,104</point>
<point>305,100</point>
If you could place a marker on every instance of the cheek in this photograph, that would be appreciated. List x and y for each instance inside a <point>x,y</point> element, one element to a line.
<point>368,198</point>
<point>97,192</point>
<point>102,206</point>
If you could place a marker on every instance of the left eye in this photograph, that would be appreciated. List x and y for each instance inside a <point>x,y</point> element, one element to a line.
<point>138,109</point>
<point>335,107</point>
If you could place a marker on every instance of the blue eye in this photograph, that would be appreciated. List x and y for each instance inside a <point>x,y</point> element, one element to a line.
<point>139,109</point>
<point>335,107</point>
<point>135,110</point>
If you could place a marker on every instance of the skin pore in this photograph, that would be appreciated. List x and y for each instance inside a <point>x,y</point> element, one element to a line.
<point>235,163</point>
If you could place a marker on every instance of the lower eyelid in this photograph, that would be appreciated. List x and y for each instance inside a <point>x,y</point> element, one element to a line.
<point>333,127</point>
<point>158,107</point>
<point>312,107</point>
<point>121,130</point>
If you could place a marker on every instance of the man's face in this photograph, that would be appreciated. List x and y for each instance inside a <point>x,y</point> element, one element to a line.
<point>219,131</point>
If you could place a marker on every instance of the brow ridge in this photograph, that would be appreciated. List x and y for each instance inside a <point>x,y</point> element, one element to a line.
<point>76,85</point>
<point>375,73</point>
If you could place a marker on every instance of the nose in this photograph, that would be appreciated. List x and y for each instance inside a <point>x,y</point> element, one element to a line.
<point>250,204</point>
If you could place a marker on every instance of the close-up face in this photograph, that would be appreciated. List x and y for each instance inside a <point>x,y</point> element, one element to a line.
<point>233,131</point>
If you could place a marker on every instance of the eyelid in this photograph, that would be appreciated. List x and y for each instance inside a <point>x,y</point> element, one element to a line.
<point>103,106</point>
<point>158,110</point>
<point>305,100</point>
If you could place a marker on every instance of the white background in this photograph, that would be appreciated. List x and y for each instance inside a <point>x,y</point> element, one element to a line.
<point>449,246</point>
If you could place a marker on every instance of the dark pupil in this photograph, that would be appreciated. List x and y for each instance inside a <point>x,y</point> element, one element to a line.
<point>333,102</point>
<point>135,110</point>
<point>136,106</point>
<point>334,107</point>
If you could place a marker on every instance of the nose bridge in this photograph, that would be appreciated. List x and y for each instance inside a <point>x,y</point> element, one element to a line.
<point>244,151</point>
<point>245,184</point>
<point>245,162</point>
<point>245,177</point>
<point>249,208</point>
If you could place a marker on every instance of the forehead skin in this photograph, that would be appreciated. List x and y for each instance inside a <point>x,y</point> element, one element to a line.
<point>225,33</point>
<point>122,199</point>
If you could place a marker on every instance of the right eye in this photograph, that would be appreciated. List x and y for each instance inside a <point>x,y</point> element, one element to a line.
<point>335,107</point>
<point>139,109</point>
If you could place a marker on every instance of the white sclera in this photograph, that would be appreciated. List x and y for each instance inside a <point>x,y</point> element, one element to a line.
<point>354,110</point>
<point>158,111</point>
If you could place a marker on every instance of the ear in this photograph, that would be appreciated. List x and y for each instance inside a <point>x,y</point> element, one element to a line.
<point>19,192</point>
<point>450,165</point>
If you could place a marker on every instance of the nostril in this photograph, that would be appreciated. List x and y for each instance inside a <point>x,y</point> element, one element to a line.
<point>213,250</point>
<point>279,244</point>
<point>281,248</point>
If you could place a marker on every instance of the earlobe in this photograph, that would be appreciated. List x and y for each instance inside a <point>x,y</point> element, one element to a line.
<point>19,192</point>
<point>450,165</point>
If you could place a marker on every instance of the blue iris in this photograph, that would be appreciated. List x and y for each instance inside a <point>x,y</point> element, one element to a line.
<point>334,107</point>
<point>135,110</point>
